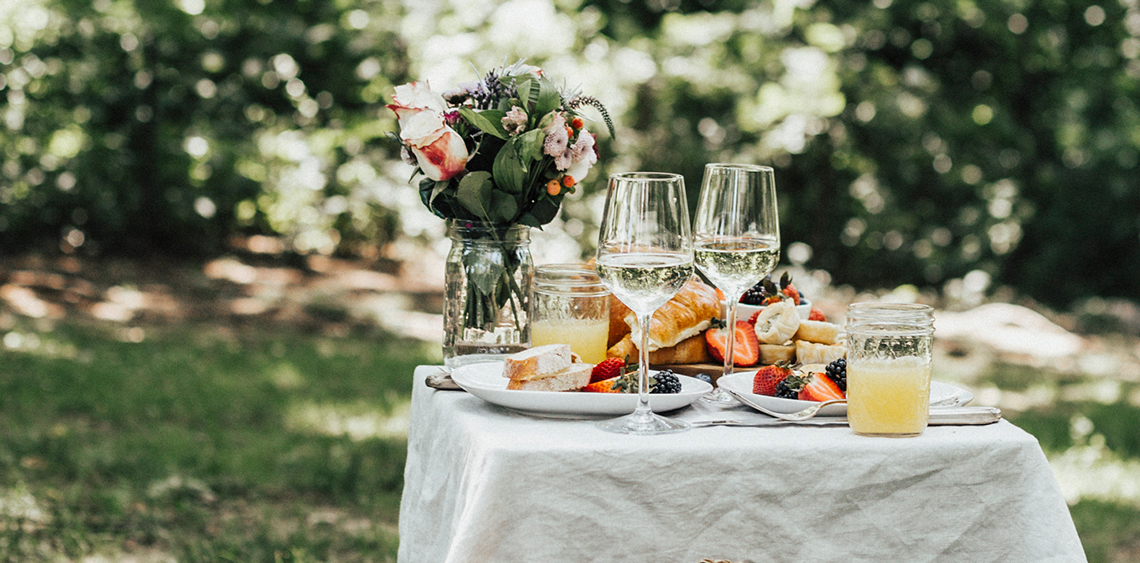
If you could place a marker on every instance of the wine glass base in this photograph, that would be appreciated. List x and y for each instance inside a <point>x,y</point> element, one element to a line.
<point>643,424</point>
<point>719,397</point>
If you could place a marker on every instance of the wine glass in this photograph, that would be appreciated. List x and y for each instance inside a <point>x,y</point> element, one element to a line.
<point>645,256</point>
<point>736,239</point>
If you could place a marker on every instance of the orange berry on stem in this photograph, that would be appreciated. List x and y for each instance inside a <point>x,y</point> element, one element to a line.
<point>553,187</point>
<point>568,181</point>
<point>577,122</point>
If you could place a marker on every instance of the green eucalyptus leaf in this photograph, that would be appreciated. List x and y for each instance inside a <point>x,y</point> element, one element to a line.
<point>530,144</point>
<point>548,99</point>
<point>528,93</point>
<point>489,121</point>
<point>545,210</point>
<point>505,206</point>
<point>529,220</point>
<point>510,168</point>
<point>546,120</point>
<point>474,194</point>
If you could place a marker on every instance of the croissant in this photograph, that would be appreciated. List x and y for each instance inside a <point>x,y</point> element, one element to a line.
<point>777,323</point>
<point>692,350</point>
<point>687,314</point>
<point>618,328</point>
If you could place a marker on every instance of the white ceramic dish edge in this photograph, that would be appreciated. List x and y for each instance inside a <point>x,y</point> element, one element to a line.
<point>486,381</point>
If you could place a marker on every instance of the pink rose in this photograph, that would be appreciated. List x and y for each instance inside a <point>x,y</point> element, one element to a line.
<point>440,152</point>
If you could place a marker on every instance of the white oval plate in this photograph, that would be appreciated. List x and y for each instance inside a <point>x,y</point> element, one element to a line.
<point>486,381</point>
<point>941,394</point>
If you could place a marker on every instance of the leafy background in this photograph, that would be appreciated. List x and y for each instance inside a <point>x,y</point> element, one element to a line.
<point>916,142</point>
<point>975,151</point>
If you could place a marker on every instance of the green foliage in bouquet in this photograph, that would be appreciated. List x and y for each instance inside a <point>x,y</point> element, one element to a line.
<point>505,149</point>
<point>502,151</point>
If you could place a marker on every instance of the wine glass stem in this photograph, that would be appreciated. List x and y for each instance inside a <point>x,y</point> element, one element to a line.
<point>730,337</point>
<point>643,365</point>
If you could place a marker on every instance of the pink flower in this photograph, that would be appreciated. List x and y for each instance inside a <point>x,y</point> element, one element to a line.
<point>582,156</point>
<point>515,121</point>
<point>556,139</point>
<point>440,152</point>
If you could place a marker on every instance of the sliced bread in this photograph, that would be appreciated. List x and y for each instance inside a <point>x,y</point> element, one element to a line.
<point>571,378</point>
<point>537,362</point>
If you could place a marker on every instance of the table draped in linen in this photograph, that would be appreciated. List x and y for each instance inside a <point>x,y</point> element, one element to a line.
<point>485,484</point>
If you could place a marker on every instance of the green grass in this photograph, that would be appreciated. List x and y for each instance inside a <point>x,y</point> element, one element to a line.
<point>202,445</point>
<point>1109,528</point>
<point>256,445</point>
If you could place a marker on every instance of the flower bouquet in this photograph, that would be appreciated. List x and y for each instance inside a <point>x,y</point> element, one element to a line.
<point>497,157</point>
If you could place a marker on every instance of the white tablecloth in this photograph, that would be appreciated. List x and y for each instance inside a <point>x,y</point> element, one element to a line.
<point>485,484</point>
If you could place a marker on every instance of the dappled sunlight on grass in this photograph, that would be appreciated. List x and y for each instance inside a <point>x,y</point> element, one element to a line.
<point>120,443</point>
<point>19,507</point>
<point>1039,395</point>
<point>357,420</point>
<point>33,343</point>
<point>1093,471</point>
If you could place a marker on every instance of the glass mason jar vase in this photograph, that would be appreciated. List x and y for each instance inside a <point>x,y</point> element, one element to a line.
<point>889,349</point>
<point>487,286</point>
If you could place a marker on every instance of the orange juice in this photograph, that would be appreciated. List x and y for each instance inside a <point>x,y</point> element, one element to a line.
<point>586,337</point>
<point>888,396</point>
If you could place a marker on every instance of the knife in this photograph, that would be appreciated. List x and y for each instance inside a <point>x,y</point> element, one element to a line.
<point>948,416</point>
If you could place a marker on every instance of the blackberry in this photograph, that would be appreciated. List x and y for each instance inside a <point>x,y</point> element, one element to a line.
<point>837,371</point>
<point>704,377</point>
<point>757,294</point>
<point>785,392</point>
<point>665,382</point>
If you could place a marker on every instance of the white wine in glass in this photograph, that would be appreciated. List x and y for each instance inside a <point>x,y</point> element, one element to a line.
<point>645,256</point>
<point>736,239</point>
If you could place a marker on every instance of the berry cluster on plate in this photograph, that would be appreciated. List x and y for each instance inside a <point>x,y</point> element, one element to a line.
<point>806,383</point>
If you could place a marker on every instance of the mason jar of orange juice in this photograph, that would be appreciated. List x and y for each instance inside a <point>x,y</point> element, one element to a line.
<point>569,305</point>
<point>888,368</point>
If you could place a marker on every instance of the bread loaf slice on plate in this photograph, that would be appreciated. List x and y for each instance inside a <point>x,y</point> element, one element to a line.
<point>572,378</point>
<point>537,362</point>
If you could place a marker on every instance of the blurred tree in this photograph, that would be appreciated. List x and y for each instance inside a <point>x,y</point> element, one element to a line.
<point>170,127</point>
<point>914,141</point>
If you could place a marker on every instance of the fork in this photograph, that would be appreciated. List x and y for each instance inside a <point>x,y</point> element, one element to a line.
<point>795,416</point>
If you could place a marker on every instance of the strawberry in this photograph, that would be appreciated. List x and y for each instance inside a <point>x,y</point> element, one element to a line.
<point>746,349</point>
<point>752,319</point>
<point>604,386</point>
<point>768,377</point>
<point>608,369</point>
<point>820,388</point>
<point>816,315</point>
<point>791,291</point>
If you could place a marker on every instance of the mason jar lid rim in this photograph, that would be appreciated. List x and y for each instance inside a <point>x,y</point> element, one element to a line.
<point>559,276</point>
<point>875,308</point>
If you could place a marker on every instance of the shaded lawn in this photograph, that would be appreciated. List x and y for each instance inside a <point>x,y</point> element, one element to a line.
<point>201,444</point>
<point>1073,419</point>
<point>208,444</point>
